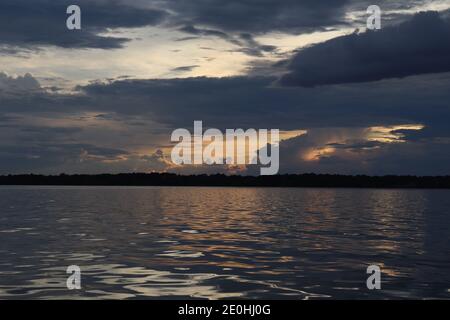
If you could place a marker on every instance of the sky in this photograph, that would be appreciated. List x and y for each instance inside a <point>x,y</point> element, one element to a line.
<point>106,98</point>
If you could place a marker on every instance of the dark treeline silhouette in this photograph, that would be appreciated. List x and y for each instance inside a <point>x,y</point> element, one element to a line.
<point>291,180</point>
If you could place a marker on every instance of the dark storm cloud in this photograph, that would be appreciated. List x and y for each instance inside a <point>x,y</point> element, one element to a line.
<point>223,18</point>
<point>373,158</point>
<point>261,16</point>
<point>37,23</point>
<point>328,113</point>
<point>47,132</point>
<point>254,102</point>
<point>29,25</point>
<point>42,156</point>
<point>364,157</point>
<point>248,102</point>
<point>418,46</point>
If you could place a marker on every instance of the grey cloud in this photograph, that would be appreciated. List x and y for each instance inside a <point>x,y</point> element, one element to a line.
<point>262,16</point>
<point>20,84</point>
<point>356,145</point>
<point>418,46</point>
<point>45,157</point>
<point>29,25</point>
<point>184,68</point>
<point>25,24</point>
<point>157,161</point>
<point>204,32</point>
<point>183,39</point>
<point>50,131</point>
<point>254,102</point>
<point>252,47</point>
<point>245,41</point>
<point>289,16</point>
<point>263,67</point>
<point>363,157</point>
<point>241,102</point>
<point>251,102</point>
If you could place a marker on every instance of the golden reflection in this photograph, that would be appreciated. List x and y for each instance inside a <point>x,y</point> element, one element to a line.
<point>392,213</point>
<point>212,242</point>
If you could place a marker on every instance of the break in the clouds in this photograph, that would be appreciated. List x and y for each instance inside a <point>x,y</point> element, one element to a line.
<point>418,46</point>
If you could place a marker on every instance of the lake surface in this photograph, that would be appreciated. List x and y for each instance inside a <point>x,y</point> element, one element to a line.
<point>217,243</point>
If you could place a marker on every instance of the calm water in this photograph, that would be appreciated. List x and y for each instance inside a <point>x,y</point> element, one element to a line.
<point>218,243</point>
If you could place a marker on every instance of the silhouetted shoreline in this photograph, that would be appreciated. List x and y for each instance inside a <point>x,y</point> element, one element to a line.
<point>291,180</point>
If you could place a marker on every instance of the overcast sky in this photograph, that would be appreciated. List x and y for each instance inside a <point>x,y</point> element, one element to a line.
<point>107,98</point>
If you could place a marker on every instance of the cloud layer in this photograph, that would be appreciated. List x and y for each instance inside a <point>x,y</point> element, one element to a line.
<point>349,123</point>
<point>393,126</point>
<point>417,46</point>
<point>39,23</point>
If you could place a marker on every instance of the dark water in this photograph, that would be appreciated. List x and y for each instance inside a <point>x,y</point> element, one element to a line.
<point>220,243</point>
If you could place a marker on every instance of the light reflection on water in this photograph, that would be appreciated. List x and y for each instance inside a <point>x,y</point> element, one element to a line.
<point>218,243</point>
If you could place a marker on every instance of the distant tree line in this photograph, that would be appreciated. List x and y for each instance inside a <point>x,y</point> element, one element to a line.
<point>288,180</point>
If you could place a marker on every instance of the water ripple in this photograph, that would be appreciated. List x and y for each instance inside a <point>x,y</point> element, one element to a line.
<point>218,243</point>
